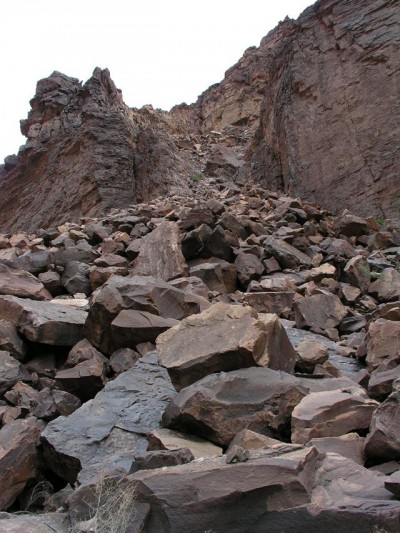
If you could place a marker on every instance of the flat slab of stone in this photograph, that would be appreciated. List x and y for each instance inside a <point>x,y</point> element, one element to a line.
<point>106,432</point>
<point>320,311</point>
<point>59,522</point>
<point>16,282</point>
<point>44,322</point>
<point>350,445</point>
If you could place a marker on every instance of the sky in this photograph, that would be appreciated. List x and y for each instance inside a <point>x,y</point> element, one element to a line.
<point>159,52</point>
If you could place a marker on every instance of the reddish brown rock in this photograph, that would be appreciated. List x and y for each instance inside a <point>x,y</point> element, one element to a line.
<point>44,322</point>
<point>160,254</point>
<point>131,327</point>
<point>382,342</point>
<point>320,311</point>
<point>167,439</point>
<point>387,286</point>
<point>18,458</point>
<point>11,371</point>
<point>16,282</point>
<point>350,445</point>
<point>224,337</point>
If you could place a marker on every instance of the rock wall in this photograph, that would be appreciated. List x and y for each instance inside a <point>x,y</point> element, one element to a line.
<point>313,111</point>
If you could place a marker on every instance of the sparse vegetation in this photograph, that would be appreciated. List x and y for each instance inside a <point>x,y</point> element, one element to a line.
<point>199,176</point>
<point>112,508</point>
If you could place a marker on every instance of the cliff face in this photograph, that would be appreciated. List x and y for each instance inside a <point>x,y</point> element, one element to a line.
<point>313,111</point>
<point>330,123</point>
<point>86,152</point>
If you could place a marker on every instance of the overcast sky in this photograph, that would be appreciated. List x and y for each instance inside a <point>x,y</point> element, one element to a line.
<point>159,52</point>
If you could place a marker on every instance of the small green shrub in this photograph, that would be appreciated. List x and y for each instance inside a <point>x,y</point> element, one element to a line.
<point>199,176</point>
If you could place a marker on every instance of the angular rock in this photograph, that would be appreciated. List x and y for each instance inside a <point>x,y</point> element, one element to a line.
<point>19,459</point>
<point>320,311</point>
<point>217,275</point>
<point>85,379</point>
<point>167,439</point>
<point>383,440</point>
<point>311,353</point>
<point>44,322</point>
<point>251,440</point>
<point>131,327</point>
<point>11,371</point>
<point>160,254</point>
<point>106,432</point>
<point>160,459</point>
<point>387,287</point>
<point>224,337</point>
<point>358,273</point>
<point>383,343</point>
<point>286,255</point>
<point>213,495</point>
<point>16,282</point>
<point>50,403</point>
<point>123,359</point>
<point>248,267</point>
<point>279,303</point>
<point>331,414</point>
<point>220,405</point>
<point>75,278</point>
<point>142,293</point>
<point>380,384</point>
<point>350,445</point>
<point>10,341</point>
<point>393,484</point>
<point>52,281</point>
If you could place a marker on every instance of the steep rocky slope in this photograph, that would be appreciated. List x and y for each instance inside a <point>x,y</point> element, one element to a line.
<point>314,111</point>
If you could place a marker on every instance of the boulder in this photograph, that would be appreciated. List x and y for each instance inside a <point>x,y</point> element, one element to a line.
<point>50,403</point>
<point>286,255</point>
<point>16,282</point>
<point>331,413</point>
<point>248,439</point>
<point>30,523</point>
<point>10,341</point>
<point>387,287</point>
<point>85,379</point>
<point>75,278</point>
<point>220,405</point>
<point>383,440</point>
<point>211,495</point>
<point>224,337</point>
<point>350,445</point>
<point>19,459</point>
<point>393,484</point>
<point>248,267</point>
<point>11,371</point>
<point>44,322</point>
<point>52,281</point>
<point>123,359</point>
<point>131,327</point>
<point>380,384</point>
<point>218,275</point>
<point>310,353</point>
<point>357,273</point>
<point>141,293</point>
<point>106,432</point>
<point>382,342</point>
<point>160,254</point>
<point>320,311</point>
<point>279,303</point>
<point>167,439</point>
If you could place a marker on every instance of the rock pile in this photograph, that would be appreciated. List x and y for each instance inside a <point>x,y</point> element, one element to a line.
<point>142,346</point>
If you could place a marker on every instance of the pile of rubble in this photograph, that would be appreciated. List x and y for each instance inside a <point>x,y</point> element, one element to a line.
<point>246,341</point>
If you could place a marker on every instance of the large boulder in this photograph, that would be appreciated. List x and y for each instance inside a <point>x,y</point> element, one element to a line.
<point>287,256</point>
<point>19,458</point>
<point>383,343</point>
<point>319,312</point>
<point>105,432</point>
<point>223,337</point>
<point>261,399</point>
<point>44,322</point>
<point>383,440</point>
<point>16,282</point>
<point>141,293</point>
<point>161,254</point>
<point>330,414</point>
<point>211,495</point>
